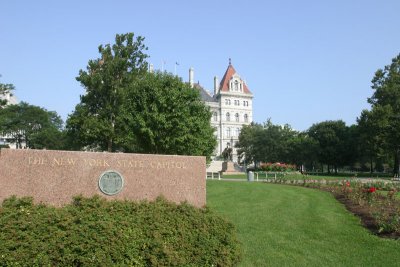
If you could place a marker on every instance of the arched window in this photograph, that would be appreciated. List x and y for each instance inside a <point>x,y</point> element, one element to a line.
<point>215,115</point>
<point>228,116</point>
<point>237,117</point>
<point>227,101</point>
<point>246,118</point>
<point>236,85</point>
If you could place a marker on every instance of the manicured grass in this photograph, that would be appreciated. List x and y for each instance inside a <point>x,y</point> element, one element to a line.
<point>282,225</point>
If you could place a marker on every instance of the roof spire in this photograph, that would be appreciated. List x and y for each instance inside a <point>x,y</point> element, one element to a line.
<point>230,61</point>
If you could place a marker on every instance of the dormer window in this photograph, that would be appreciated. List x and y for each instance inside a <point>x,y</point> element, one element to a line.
<point>235,84</point>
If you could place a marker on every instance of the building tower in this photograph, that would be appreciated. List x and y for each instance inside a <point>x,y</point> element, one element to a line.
<point>231,107</point>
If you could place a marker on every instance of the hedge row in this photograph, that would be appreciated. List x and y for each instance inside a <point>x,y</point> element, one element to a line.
<point>96,232</point>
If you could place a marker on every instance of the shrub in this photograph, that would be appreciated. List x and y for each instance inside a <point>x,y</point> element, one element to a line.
<point>96,232</point>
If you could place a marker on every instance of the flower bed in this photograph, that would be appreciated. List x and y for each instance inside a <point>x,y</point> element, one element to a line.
<point>374,201</point>
<point>277,167</point>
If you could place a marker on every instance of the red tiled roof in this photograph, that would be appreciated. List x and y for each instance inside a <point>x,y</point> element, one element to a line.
<point>224,85</point>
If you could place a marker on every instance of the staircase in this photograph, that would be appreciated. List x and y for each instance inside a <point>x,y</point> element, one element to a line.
<point>215,166</point>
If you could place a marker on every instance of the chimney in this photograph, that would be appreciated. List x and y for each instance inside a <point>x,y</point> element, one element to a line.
<point>215,85</point>
<point>151,68</point>
<point>191,77</point>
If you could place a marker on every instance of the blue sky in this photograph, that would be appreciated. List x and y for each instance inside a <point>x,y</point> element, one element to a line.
<point>304,61</point>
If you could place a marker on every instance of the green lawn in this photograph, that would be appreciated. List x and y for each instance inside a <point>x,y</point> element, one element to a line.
<point>294,226</point>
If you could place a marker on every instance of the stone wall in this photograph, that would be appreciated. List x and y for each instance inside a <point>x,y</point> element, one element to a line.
<point>54,177</point>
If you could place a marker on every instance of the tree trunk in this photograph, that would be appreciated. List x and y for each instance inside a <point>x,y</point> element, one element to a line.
<point>109,145</point>
<point>396,164</point>
<point>371,168</point>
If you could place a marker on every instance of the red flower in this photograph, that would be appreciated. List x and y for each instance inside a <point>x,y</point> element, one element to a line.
<point>347,183</point>
<point>372,189</point>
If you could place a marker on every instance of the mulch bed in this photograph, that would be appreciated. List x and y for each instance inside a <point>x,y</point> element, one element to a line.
<point>363,213</point>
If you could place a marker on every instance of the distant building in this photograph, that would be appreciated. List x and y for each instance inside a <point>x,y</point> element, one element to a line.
<point>11,100</point>
<point>231,106</point>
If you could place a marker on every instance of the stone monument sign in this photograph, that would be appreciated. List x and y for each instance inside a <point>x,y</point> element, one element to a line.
<point>54,177</point>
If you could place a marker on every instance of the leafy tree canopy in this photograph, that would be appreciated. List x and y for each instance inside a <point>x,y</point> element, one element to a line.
<point>127,109</point>
<point>104,81</point>
<point>265,143</point>
<point>31,126</point>
<point>333,142</point>
<point>161,114</point>
<point>381,125</point>
<point>386,86</point>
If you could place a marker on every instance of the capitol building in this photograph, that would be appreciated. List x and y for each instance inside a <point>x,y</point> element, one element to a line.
<point>231,106</point>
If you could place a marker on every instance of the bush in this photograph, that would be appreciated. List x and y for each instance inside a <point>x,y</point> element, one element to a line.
<point>96,232</point>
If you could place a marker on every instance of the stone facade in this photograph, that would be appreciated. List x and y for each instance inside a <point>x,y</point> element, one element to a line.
<point>231,106</point>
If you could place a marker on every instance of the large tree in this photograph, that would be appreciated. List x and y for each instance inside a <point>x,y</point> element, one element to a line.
<point>95,120</point>
<point>302,150</point>
<point>265,143</point>
<point>372,128</point>
<point>160,114</point>
<point>385,112</point>
<point>333,143</point>
<point>249,144</point>
<point>130,110</point>
<point>31,126</point>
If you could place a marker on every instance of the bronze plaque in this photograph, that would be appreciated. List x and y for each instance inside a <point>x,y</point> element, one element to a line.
<point>111,182</point>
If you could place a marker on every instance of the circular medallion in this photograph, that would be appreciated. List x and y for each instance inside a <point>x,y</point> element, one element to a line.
<point>111,182</point>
